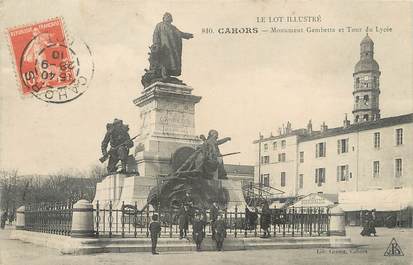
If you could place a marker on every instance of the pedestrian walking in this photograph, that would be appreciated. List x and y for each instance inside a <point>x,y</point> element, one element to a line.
<point>183,221</point>
<point>213,215</point>
<point>3,220</point>
<point>198,230</point>
<point>265,220</point>
<point>155,229</point>
<point>220,232</point>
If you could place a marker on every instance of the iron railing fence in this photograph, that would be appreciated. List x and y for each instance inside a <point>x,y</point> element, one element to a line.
<point>52,218</point>
<point>126,220</point>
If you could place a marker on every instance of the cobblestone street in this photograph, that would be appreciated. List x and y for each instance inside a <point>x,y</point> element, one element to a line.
<point>372,252</point>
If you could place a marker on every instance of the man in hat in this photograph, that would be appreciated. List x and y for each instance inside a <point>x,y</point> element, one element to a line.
<point>183,221</point>
<point>198,230</point>
<point>213,216</point>
<point>220,232</point>
<point>118,136</point>
<point>155,229</point>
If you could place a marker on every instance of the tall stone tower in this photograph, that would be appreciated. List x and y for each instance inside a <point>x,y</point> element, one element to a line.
<point>366,84</point>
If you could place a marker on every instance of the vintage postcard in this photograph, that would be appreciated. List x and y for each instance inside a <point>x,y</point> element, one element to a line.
<point>199,132</point>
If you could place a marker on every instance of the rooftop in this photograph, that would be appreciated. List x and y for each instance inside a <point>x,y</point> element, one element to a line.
<point>303,134</point>
<point>239,169</point>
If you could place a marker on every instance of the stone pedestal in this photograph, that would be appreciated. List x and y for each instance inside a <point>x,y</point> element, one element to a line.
<point>20,218</point>
<point>82,219</point>
<point>337,221</point>
<point>131,189</point>
<point>167,116</point>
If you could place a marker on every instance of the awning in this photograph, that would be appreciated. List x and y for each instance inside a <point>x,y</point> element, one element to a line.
<point>316,200</point>
<point>381,200</point>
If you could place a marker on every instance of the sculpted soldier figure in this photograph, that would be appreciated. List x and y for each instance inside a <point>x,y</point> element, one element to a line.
<point>120,142</point>
<point>214,155</point>
<point>165,52</point>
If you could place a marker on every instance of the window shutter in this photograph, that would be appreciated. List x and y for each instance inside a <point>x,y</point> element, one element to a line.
<point>346,171</point>
<point>325,149</point>
<point>316,150</point>
<point>347,144</point>
<point>316,176</point>
<point>338,146</point>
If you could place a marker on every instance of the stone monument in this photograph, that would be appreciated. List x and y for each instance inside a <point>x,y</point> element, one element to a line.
<point>166,134</point>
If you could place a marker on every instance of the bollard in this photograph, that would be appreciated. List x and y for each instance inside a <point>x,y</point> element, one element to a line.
<point>20,219</point>
<point>82,219</point>
<point>337,224</point>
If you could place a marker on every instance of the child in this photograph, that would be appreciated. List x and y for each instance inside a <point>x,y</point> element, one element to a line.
<point>155,229</point>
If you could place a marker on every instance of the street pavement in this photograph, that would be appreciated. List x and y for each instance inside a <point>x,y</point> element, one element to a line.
<point>371,251</point>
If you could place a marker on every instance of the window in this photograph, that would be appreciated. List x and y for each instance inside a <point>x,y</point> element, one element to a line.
<point>265,180</point>
<point>265,159</point>
<point>357,82</point>
<point>283,144</point>
<point>398,168</point>
<point>265,147</point>
<point>399,136</point>
<point>301,181</point>
<point>282,179</point>
<point>320,176</point>
<point>302,157</point>
<point>357,118</point>
<point>274,145</point>
<point>377,140</point>
<point>342,173</point>
<point>357,99</point>
<point>320,150</point>
<point>365,117</point>
<point>366,97</point>
<point>281,157</point>
<point>376,169</point>
<point>342,146</point>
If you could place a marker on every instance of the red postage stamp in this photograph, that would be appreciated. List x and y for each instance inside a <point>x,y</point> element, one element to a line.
<point>42,56</point>
<point>46,63</point>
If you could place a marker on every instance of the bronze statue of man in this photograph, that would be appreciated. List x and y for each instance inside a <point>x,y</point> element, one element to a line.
<point>168,40</point>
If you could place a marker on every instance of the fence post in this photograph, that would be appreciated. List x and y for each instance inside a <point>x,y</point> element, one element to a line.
<point>337,227</point>
<point>82,219</point>
<point>20,218</point>
<point>97,218</point>
<point>170,221</point>
<point>236,220</point>
<point>123,219</point>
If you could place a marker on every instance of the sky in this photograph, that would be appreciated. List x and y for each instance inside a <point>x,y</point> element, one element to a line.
<point>249,83</point>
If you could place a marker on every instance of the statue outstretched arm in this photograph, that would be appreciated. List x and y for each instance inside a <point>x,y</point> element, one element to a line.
<point>185,35</point>
<point>223,140</point>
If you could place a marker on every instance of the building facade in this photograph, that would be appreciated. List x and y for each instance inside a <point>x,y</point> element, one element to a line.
<point>369,153</point>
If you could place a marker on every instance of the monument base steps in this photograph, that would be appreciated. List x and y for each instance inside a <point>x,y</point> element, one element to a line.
<point>78,246</point>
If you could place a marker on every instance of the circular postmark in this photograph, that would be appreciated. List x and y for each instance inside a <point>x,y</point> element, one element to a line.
<point>56,72</point>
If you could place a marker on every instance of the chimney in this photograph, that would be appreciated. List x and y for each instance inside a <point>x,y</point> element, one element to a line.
<point>324,127</point>
<point>346,122</point>
<point>288,129</point>
<point>309,127</point>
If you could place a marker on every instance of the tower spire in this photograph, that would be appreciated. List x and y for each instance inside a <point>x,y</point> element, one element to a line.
<point>366,84</point>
